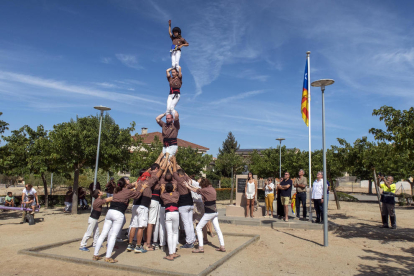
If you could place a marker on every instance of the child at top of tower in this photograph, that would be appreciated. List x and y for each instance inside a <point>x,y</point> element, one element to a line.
<point>177,43</point>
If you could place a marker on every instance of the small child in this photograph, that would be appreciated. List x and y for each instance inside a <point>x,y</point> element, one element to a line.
<point>93,228</point>
<point>30,204</point>
<point>177,43</point>
<point>9,200</point>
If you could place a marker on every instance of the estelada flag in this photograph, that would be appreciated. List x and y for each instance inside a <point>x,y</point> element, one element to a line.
<point>304,108</point>
<point>293,204</point>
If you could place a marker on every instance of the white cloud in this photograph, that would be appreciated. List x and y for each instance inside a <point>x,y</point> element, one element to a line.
<point>237,97</point>
<point>129,60</point>
<point>106,60</point>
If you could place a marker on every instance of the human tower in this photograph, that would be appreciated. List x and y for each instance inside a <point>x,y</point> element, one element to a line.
<point>165,198</point>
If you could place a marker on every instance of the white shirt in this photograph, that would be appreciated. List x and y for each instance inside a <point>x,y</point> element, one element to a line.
<point>196,197</point>
<point>269,189</point>
<point>317,189</point>
<point>26,193</point>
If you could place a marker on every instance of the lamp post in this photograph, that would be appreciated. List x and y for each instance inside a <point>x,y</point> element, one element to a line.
<point>280,156</point>
<point>102,109</point>
<point>322,83</point>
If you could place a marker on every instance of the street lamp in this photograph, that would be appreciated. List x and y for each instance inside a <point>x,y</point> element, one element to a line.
<point>102,109</point>
<point>322,83</point>
<point>280,156</point>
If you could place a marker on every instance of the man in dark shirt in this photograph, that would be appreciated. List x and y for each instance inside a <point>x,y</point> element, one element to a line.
<point>285,188</point>
<point>91,189</point>
<point>169,132</point>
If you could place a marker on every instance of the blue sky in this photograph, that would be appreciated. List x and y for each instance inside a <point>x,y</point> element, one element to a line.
<point>243,71</point>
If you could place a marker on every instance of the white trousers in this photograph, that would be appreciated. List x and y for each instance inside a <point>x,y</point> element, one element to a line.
<point>93,229</point>
<point>153,211</point>
<point>161,228</point>
<point>171,150</point>
<point>172,101</point>
<point>206,218</point>
<point>120,230</point>
<point>171,223</point>
<point>113,224</point>
<point>186,215</point>
<point>175,59</point>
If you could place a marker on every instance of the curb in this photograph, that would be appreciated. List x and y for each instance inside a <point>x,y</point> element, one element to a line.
<point>34,251</point>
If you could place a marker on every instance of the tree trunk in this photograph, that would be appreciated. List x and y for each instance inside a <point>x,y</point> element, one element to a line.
<point>75,191</point>
<point>377,190</point>
<point>45,188</point>
<point>370,187</point>
<point>338,206</point>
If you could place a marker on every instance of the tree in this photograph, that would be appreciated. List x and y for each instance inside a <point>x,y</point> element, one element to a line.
<point>143,155</point>
<point>3,125</point>
<point>192,161</point>
<point>75,144</point>
<point>229,145</point>
<point>400,128</point>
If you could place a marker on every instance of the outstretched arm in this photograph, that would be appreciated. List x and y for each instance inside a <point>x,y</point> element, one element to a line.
<point>174,164</point>
<point>179,72</point>
<point>169,27</point>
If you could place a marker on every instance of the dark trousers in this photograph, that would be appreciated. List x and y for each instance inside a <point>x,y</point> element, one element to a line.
<point>301,197</point>
<point>317,204</point>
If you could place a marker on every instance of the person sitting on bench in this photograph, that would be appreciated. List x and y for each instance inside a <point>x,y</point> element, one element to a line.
<point>9,200</point>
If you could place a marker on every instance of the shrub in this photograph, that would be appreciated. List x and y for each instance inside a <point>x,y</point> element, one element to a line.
<point>225,182</point>
<point>224,193</point>
<point>345,197</point>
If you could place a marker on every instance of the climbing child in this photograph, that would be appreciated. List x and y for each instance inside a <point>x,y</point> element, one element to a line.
<point>177,42</point>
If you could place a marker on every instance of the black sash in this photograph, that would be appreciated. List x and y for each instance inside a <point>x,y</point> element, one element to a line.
<point>156,195</point>
<point>210,207</point>
<point>170,142</point>
<point>143,201</point>
<point>95,214</point>
<point>185,200</point>
<point>119,206</point>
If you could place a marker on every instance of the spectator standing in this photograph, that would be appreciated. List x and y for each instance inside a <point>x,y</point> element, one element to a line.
<point>388,201</point>
<point>269,188</point>
<point>250,191</point>
<point>285,188</point>
<point>300,184</point>
<point>317,197</point>
<point>279,207</point>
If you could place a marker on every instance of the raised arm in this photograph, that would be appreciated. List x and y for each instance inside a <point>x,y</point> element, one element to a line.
<point>179,72</point>
<point>159,117</point>
<point>169,27</point>
<point>168,72</point>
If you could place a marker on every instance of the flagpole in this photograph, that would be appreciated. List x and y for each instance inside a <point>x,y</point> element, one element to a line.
<point>310,148</point>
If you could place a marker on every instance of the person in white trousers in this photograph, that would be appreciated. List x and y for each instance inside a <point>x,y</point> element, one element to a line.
<point>93,227</point>
<point>114,218</point>
<point>177,43</point>
<point>175,79</point>
<point>170,199</point>
<point>209,196</point>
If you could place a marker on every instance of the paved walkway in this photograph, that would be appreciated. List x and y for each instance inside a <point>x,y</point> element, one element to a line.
<point>269,222</point>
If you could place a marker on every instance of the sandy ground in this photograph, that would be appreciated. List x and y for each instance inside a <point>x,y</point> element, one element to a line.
<point>357,247</point>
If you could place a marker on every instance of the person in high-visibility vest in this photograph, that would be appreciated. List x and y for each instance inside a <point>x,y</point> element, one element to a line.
<point>388,201</point>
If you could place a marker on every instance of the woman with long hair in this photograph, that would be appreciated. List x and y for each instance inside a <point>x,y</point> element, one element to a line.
<point>250,192</point>
<point>209,195</point>
<point>115,217</point>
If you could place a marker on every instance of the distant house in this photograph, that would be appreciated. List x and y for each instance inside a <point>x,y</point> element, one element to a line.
<point>148,138</point>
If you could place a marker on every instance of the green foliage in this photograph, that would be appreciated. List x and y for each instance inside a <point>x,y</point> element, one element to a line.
<point>226,162</point>
<point>224,194</point>
<point>400,128</point>
<point>229,145</point>
<point>191,161</point>
<point>3,125</point>
<point>345,197</point>
<point>143,155</point>
<point>225,182</point>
